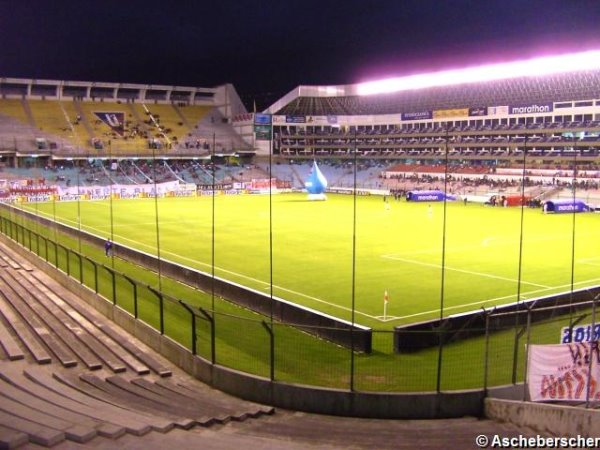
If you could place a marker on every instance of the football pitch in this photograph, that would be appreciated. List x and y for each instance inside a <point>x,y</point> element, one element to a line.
<point>331,256</point>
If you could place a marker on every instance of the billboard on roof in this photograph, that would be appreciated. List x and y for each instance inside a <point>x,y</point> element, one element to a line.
<point>531,108</point>
<point>295,119</point>
<point>478,111</point>
<point>262,119</point>
<point>445,113</point>
<point>418,115</point>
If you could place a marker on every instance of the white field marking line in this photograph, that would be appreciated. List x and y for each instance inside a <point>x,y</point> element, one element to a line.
<point>494,299</point>
<point>238,274</point>
<point>387,318</point>
<point>589,263</point>
<point>593,261</point>
<point>481,274</point>
<point>593,258</point>
<point>120,225</point>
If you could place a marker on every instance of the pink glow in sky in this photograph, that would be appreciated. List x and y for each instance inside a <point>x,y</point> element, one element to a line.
<point>533,67</point>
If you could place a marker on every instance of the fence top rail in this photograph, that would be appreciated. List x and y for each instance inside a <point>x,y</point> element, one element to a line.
<point>544,308</point>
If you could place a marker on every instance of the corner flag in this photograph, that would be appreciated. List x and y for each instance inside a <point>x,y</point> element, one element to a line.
<point>385,303</point>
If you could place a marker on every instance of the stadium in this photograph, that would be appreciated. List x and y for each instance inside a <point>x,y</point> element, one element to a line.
<point>455,226</point>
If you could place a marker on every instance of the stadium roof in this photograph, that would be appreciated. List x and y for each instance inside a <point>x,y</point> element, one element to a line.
<point>540,80</point>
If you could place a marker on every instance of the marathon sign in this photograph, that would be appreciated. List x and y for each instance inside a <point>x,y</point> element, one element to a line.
<point>479,111</point>
<point>580,333</point>
<point>429,196</point>
<point>421,115</point>
<point>566,206</point>
<point>534,108</point>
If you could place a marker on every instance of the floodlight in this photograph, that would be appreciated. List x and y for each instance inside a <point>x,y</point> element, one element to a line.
<point>547,65</point>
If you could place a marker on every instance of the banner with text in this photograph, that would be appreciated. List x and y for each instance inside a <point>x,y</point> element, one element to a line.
<point>445,113</point>
<point>580,333</point>
<point>321,120</point>
<point>561,372</point>
<point>478,111</point>
<point>420,115</point>
<point>534,108</point>
<point>295,119</point>
<point>262,119</point>
<point>497,110</point>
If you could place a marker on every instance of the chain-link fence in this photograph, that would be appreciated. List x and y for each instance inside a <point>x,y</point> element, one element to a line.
<point>491,351</point>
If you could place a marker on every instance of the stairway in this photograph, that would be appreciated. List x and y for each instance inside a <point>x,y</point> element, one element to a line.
<point>28,112</point>
<point>84,119</point>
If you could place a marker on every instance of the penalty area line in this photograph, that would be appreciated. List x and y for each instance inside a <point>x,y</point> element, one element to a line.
<point>454,269</point>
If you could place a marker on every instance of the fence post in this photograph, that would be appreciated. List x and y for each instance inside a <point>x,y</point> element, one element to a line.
<point>518,335</point>
<point>272,349</point>
<point>194,337</point>
<point>95,266</point>
<point>441,330</point>
<point>529,308</point>
<point>79,257</point>
<point>211,320</point>
<point>590,358</point>
<point>161,310</point>
<point>114,284</point>
<point>68,256</point>
<point>486,350</point>
<point>135,297</point>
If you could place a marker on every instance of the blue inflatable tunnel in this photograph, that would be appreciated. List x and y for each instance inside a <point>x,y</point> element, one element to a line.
<point>566,205</point>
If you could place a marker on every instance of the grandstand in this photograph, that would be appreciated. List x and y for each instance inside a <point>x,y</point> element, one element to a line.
<point>552,117</point>
<point>59,119</point>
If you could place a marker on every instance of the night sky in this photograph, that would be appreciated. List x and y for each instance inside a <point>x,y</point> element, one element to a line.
<point>266,48</point>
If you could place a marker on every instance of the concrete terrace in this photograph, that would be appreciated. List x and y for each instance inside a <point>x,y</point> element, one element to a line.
<point>70,379</point>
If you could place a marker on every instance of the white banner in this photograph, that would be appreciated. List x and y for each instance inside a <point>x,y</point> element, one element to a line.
<point>125,190</point>
<point>561,372</point>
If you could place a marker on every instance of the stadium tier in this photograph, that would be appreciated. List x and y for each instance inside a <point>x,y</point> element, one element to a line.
<point>460,114</point>
<point>73,119</point>
<point>566,87</point>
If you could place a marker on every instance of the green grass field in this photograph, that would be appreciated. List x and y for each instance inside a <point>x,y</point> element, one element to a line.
<point>398,250</point>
